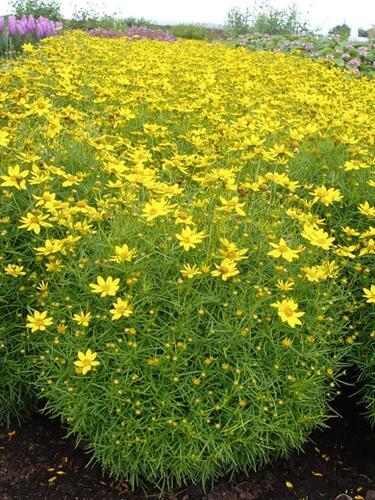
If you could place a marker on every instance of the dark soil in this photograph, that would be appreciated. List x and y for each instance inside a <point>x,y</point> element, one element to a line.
<point>36,462</point>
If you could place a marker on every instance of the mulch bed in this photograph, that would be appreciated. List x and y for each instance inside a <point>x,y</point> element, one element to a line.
<point>36,462</point>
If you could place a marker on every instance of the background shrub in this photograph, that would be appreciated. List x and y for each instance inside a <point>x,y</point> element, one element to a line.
<point>193,32</point>
<point>45,8</point>
<point>358,57</point>
<point>266,19</point>
<point>342,30</point>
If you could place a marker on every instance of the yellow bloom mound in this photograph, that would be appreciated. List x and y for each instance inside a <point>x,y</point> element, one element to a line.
<point>187,233</point>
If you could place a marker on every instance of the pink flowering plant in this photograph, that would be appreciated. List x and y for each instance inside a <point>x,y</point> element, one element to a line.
<point>358,57</point>
<point>134,33</point>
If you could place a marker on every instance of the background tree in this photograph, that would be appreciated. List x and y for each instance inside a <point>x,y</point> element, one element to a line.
<point>37,8</point>
<point>266,19</point>
<point>343,30</point>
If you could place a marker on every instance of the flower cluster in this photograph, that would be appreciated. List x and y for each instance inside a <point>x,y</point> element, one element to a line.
<point>16,32</point>
<point>358,57</point>
<point>41,27</point>
<point>187,247</point>
<point>135,33</point>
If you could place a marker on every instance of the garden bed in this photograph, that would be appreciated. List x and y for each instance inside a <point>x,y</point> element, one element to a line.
<point>37,461</point>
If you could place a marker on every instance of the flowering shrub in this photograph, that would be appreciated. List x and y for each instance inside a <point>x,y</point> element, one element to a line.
<point>186,238</point>
<point>358,57</point>
<point>15,32</point>
<point>37,8</point>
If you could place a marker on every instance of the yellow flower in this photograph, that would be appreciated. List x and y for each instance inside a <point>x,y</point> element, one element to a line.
<point>369,248</point>
<point>370,294</point>
<point>154,209</point>
<point>232,205</point>
<point>83,319</point>
<point>285,286</point>
<point>14,270</point>
<point>105,287</point>
<point>321,272</point>
<point>366,209</point>
<point>189,238</point>
<point>123,254</point>
<point>153,361</point>
<point>189,271</point>
<point>287,311</point>
<point>45,198</point>
<point>121,308</point>
<point>369,233</point>
<point>231,251</point>
<point>183,218</point>
<point>42,287</point>
<point>28,47</point>
<point>38,321</point>
<point>86,361</point>
<point>54,265</point>
<point>349,231</point>
<point>54,127</point>
<point>287,342</point>
<point>15,178</point>
<point>40,107</point>
<point>34,221</point>
<point>317,236</point>
<point>226,269</point>
<point>355,165</point>
<point>346,251</point>
<point>4,138</point>
<point>50,247</point>
<point>281,249</point>
<point>326,196</point>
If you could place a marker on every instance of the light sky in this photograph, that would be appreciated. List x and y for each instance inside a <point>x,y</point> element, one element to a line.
<point>322,14</point>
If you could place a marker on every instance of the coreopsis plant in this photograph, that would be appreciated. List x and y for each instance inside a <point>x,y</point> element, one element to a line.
<point>191,243</point>
<point>196,367</point>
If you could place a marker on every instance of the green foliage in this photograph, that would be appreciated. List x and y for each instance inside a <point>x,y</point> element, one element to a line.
<point>354,56</point>
<point>90,17</point>
<point>37,8</point>
<point>17,396</point>
<point>363,354</point>
<point>192,31</point>
<point>362,33</point>
<point>279,21</point>
<point>342,30</point>
<point>266,19</point>
<point>238,22</point>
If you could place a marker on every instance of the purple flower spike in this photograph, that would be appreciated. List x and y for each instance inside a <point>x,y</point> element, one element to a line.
<point>12,25</point>
<point>28,25</point>
<point>21,28</point>
<point>31,25</point>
